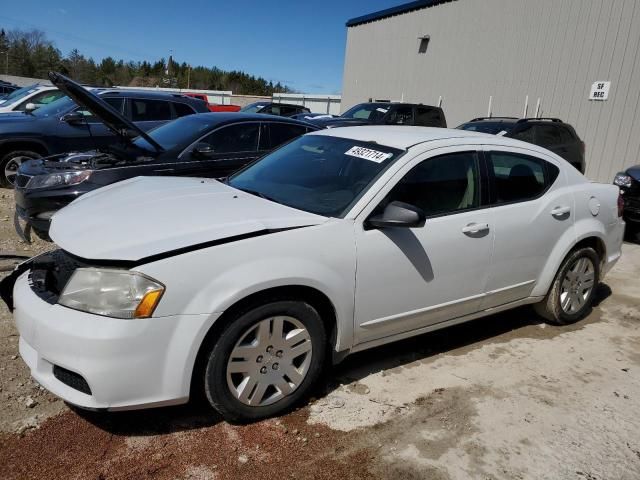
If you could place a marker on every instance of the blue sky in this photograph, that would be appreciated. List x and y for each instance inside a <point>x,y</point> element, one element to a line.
<point>297,42</point>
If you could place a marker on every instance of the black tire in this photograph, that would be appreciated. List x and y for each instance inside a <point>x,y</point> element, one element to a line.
<point>6,159</point>
<point>550,308</point>
<point>216,389</point>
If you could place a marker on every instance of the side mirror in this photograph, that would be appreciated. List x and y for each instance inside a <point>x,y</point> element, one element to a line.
<point>73,118</point>
<point>203,150</point>
<point>30,107</point>
<point>398,214</point>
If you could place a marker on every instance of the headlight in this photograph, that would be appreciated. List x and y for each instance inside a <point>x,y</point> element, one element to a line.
<point>113,293</point>
<point>622,180</point>
<point>56,179</point>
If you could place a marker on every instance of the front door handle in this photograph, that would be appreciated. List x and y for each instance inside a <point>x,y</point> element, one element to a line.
<point>475,228</point>
<point>560,211</point>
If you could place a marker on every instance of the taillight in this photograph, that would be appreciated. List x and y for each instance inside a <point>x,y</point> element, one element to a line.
<point>620,204</point>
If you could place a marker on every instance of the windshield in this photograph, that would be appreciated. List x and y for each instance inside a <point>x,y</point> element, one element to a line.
<point>486,127</point>
<point>17,94</point>
<point>55,108</point>
<point>177,134</point>
<point>367,111</point>
<point>252,108</point>
<point>320,174</point>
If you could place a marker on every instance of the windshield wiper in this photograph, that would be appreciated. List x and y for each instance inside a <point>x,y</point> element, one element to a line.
<point>257,194</point>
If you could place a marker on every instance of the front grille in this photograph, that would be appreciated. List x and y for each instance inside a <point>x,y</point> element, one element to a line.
<point>22,180</point>
<point>71,379</point>
<point>50,273</point>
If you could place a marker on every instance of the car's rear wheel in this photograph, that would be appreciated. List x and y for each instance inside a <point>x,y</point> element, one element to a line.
<point>10,163</point>
<point>573,288</point>
<point>265,361</point>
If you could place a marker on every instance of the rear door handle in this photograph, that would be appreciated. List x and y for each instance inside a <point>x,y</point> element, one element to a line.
<point>560,211</point>
<point>475,228</point>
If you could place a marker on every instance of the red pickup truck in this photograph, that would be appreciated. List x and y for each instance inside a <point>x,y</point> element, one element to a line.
<point>214,107</point>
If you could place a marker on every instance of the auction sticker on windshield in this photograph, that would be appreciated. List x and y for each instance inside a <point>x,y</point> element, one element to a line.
<point>368,154</point>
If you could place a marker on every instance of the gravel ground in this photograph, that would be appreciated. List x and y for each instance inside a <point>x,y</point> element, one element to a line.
<point>504,397</point>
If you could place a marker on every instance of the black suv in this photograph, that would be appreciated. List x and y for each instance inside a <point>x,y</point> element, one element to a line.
<point>203,145</point>
<point>62,126</point>
<point>386,113</point>
<point>270,108</point>
<point>550,133</point>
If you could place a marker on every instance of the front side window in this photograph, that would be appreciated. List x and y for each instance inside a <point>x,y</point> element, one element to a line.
<point>518,178</point>
<point>428,117</point>
<point>441,185</point>
<point>149,110</point>
<point>242,137</point>
<point>317,173</point>
<point>116,102</point>
<point>525,134</point>
<point>367,111</point>
<point>252,108</point>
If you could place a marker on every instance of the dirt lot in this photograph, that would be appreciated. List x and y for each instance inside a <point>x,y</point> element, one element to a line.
<point>505,397</point>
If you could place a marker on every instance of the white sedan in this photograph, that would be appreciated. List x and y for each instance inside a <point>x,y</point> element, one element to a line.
<point>342,240</point>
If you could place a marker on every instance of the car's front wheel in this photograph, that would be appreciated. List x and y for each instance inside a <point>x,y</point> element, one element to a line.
<point>573,288</point>
<point>10,163</point>
<point>265,361</point>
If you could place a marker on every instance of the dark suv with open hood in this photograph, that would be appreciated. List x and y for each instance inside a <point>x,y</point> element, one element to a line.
<point>64,126</point>
<point>201,145</point>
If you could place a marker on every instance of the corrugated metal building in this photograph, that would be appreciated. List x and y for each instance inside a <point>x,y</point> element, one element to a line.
<point>466,51</point>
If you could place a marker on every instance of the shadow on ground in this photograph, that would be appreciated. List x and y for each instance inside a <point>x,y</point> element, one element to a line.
<point>457,340</point>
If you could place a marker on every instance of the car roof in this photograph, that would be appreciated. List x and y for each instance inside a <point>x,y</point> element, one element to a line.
<point>146,94</point>
<point>404,137</point>
<point>220,118</point>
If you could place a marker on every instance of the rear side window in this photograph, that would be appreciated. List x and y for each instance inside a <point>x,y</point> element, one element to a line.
<point>548,135</point>
<point>519,178</point>
<point>280,133</point>
<point>287,111</point>
<point>242,137</point>
<point>149,110</point>
<point>401,116</point>
<point>525,134</point>
<point>182,109</point>
<point>566,136</point>
<point>428,117</point>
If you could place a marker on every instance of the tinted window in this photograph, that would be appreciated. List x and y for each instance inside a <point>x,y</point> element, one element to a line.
<point>115,102</point>
<point>440,185</point>
<point>317,173</point>
<point>525,134</point>
<point>428,117</point>
<point>519,178</point>
<point>182,109</point>
<point>486,127</point>
<point>566,136</point>
<point>281,133</point>
<point>367,111</point>
<point>149,110</point>
<point>548,135</point>
<point>401,116</point>
<point>286,111</point>
<point>242,137</point>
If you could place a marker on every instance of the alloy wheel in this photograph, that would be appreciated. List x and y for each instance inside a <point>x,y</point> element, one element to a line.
<point>270,361</point>
<point>577,285</point>
<point>11,168</point>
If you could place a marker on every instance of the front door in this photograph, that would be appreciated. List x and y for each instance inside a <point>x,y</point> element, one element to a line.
<point>408,278</point>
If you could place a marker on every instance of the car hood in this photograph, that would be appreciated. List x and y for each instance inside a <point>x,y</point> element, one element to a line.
<point>144,217</point>
<point>634,172</point>
<point>101,109</point>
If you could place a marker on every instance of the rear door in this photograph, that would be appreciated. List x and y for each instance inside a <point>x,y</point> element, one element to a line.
<point>277,134</point>
<point>233,146</point>
<point>532,207</point>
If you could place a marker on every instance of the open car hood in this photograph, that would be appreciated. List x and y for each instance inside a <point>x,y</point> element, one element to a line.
<point>145,217</point>
<point>105,112</point>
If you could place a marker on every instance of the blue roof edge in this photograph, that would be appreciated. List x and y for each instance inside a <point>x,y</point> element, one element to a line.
<point>390,12</point>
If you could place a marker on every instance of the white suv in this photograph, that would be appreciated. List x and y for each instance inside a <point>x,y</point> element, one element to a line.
<point>29,98</point>
<point>340,241</point>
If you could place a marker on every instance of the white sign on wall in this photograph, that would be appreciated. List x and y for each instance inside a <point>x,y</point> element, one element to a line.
<point>599,91</point>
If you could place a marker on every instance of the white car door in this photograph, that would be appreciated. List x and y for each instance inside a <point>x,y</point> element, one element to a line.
<point>408,278</point>
<point>532,208</point>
